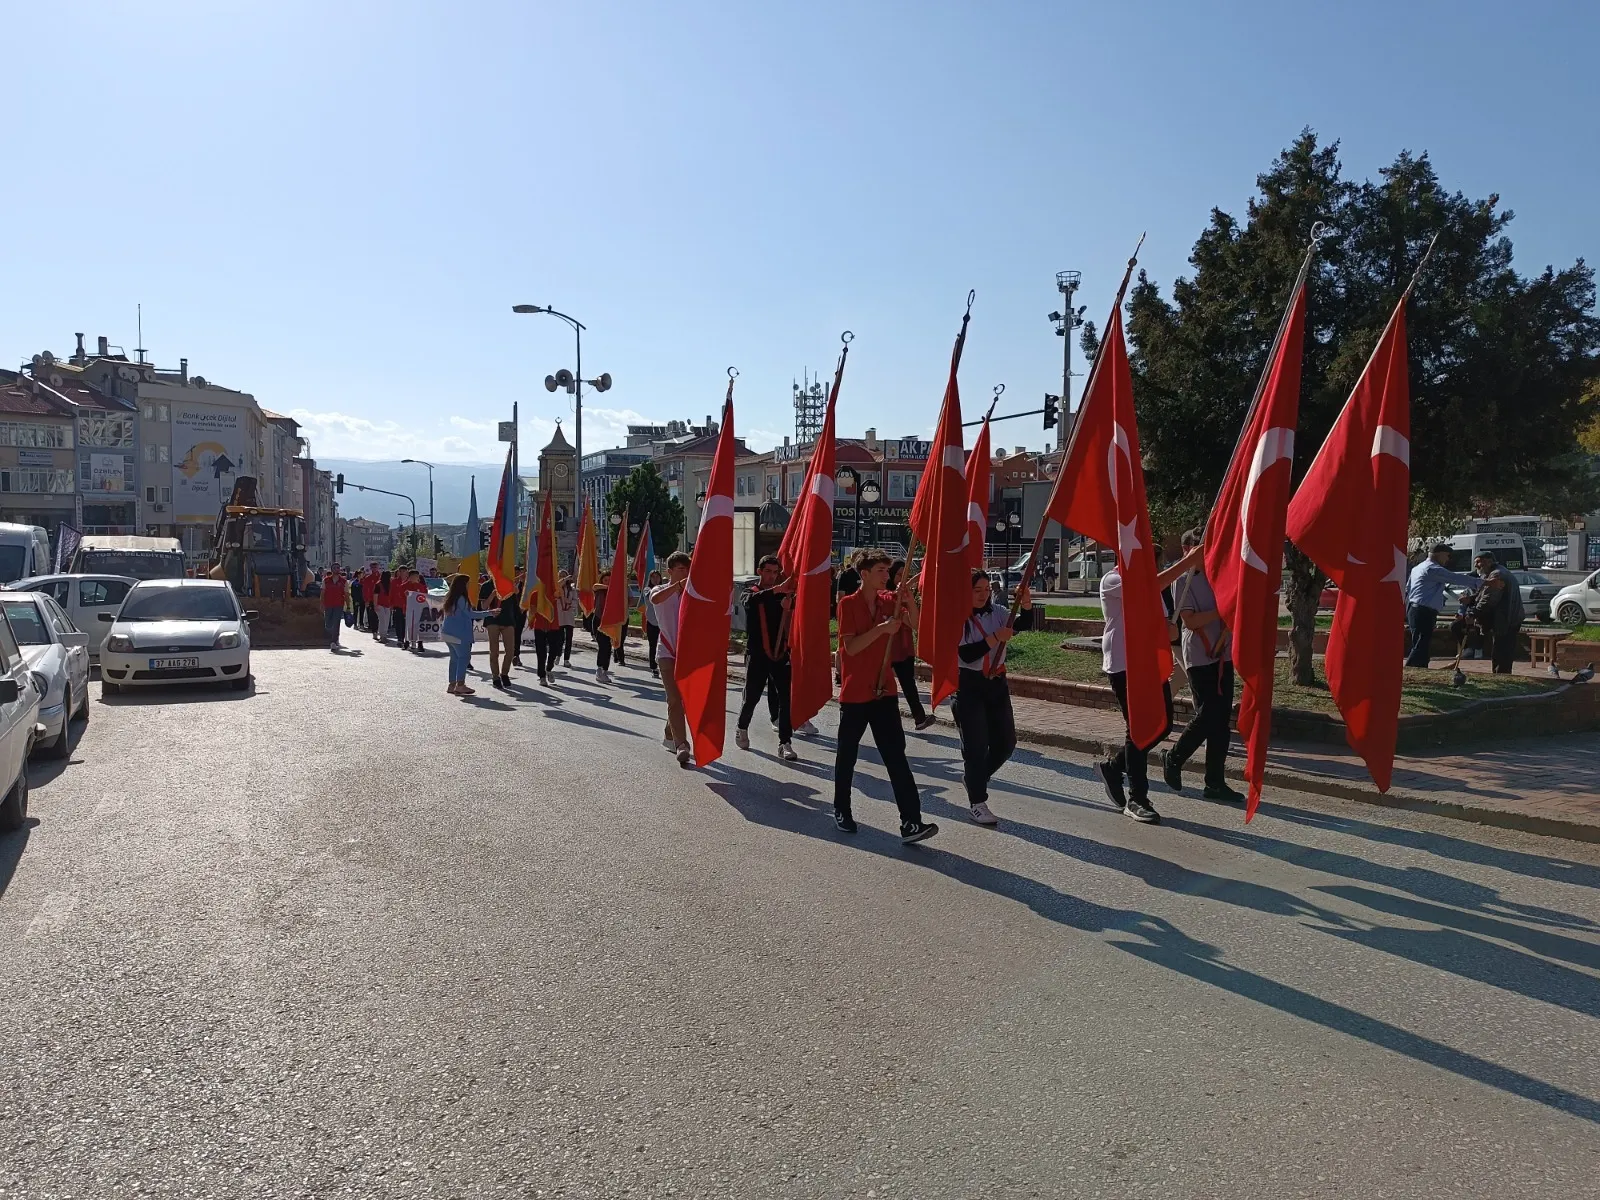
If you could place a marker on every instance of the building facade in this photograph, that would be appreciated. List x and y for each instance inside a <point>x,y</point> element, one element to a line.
<point>38,457</point>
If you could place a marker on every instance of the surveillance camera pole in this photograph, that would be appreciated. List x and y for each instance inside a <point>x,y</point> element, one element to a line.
<point>577,386</point>
<point>1067,285</point>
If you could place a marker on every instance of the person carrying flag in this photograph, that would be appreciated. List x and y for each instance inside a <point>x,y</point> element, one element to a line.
<point>767,663</point>
<point>903,658</point>
<point>652,631</point>
<point>566,618</point>
<point>664,604</point>
<point>982,706</point>
<point>866,619</point>
<point>1132,762</point>
<point>1208,662</point>
<point>547,632</point>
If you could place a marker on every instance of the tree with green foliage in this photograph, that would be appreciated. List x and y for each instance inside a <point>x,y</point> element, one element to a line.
<point>643,493</point>
<point>1498,361</point>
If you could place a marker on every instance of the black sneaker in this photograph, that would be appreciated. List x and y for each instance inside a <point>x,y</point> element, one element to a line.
<point>916,831</point>
<point>1112,778</point>
<point>1141,812</point>
<point>1172,772</point>
<point>1224,793</point>
<point>843,821</point>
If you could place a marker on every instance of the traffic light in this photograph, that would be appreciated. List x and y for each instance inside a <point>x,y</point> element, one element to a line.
<point>1052,410</point>
<point>338,483</point>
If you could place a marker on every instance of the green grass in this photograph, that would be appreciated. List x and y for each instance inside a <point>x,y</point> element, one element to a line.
<point>1586,633</point>
<point>1073,612</point>
<point>1424,691</point>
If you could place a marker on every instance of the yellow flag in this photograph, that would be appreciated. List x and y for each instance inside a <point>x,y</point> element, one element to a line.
<point>469,568</point>
<point>588,562</point>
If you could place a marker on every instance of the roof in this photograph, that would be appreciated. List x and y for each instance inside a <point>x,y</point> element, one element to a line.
<point>21,398</point>
<point>558,444</point>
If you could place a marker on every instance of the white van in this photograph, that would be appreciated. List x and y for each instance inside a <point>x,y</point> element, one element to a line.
<point>24,551</point>
<point>1507,548</point>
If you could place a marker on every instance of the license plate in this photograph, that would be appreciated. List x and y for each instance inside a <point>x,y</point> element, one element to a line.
<point>158,664</point>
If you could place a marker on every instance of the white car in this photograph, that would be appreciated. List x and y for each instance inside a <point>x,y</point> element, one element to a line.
<point>1577,603</point>
<point>83,598</point>
<point>58,657</point>
<point>19,728</point>
<point>177,631</point>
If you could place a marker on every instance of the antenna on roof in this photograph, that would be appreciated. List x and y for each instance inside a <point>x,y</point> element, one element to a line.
<point>139,349</point>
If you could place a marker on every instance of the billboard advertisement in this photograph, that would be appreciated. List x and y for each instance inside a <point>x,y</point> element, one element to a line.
<point>107,473</point>
<point>208,447</point>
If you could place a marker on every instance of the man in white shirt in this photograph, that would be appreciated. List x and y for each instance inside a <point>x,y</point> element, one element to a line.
<point>1208,660</point>
<point>1129,763</point>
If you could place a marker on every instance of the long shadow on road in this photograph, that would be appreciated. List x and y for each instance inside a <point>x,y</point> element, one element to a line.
<point>788,805</point>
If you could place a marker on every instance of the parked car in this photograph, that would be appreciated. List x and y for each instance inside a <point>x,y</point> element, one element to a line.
<point>1577,603</point>
<point>19,728</point>
<point>83,598</point>
<point>1091,564</point>
<point>177,631</point>
<point>128,554</point>
<point>58,657</point>
<point>24,550</point>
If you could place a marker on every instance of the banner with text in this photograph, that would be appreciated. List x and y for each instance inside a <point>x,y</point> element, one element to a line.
<point>208,446</point>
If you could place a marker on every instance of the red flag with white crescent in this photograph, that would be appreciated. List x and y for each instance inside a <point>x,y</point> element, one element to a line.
<point>978,469</point>
<point>705,614</point>
<point>1351,516</point>
<point>939,521</point>
<point>810,642</point>
<point>1107,504</point>
<point>1244,541</point>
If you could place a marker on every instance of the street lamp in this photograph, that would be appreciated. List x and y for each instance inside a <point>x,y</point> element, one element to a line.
<point>424,463</point>
<point>572,382</point>
<point>1008,527</point>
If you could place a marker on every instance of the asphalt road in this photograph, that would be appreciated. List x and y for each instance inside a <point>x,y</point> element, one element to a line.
<point>348,936</point>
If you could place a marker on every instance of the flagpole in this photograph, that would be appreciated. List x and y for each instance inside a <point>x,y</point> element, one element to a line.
<point>911,537</point>
<point>1319,232</point>
<point>1072,440</point>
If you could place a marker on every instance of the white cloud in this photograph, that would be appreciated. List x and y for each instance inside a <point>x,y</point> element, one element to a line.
<point>343,435</point>
<point>473,426</point>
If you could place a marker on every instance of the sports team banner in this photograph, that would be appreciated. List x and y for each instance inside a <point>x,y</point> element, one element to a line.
<point>422,619</point>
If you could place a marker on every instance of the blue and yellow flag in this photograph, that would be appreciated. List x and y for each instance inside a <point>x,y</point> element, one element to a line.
<point>503,533</point>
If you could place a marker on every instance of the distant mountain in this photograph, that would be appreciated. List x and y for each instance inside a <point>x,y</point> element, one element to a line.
<point>450,489</point>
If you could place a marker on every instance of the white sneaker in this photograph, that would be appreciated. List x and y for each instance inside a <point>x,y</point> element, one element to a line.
<point>981,815</point>
<point>741,738</point>
<point>786,752</point>
<point>806,730</point>
<point>685,755</point>
<point>670,746</point>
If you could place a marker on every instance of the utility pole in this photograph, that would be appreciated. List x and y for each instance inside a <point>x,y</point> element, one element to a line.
<point>1066,321</point>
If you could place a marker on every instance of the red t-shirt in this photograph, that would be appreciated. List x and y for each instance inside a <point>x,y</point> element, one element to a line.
<point>333,591</point>
<point>857,614</point>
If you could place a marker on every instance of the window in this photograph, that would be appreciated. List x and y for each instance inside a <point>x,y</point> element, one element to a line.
<point>795,480</point>
<point>26,623</point>
<point>149,412</point>
<point>59,621</point>
<point>772,487</point>
<point>180,603</point>
<point>161,412</point>
<point>57,591</point>
<point>41,479</point>
<point>150,495</point>
<point>97,593</point>
<point>149,452</point>
<point>166,495</point>
<point>903,484</point>
<point>162,454</point>
<point>105,429</point>
<point>8,647</point>
<point>43,437</point>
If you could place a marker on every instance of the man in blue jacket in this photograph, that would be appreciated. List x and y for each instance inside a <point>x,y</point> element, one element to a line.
<point>1425,599</point>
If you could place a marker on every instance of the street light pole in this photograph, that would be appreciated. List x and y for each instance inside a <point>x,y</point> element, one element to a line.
<point>601,383</point>
<point>432,533</point>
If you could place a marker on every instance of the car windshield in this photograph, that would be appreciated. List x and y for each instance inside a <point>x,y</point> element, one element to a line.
<point>26,623</point>
<point>179,604</point>
<point>12,559</point>
<point>140,564</point>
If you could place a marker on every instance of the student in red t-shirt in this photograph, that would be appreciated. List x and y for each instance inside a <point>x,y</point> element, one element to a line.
<point>333,597</point>
<point>866,618</point>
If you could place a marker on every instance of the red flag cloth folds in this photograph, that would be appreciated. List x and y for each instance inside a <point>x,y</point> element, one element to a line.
<point>1107,504</point>
<point>705,614</point>
<point>978,467</point>
<point>789,555</point>
<point>543,601</point>
<point>1351,516</point>
<point>1244,541</point>
<point>503,534</point>
<point>810,643</point>
<point>615,613</point>
<point>939,522</point>
<point>641,562</point>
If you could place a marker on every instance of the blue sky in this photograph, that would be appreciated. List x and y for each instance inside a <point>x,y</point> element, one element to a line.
<point>335,205</point>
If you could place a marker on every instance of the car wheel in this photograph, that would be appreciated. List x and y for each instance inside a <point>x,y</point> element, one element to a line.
<point>62,746</point>
<point>1570,614</point>
<point>107,688</point>
<point>241,685</point>
<point>14,808</point>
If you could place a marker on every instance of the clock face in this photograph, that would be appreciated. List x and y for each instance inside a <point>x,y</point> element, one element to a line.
<point>559,470</point>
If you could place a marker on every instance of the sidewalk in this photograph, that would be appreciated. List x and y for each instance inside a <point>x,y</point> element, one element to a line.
<point>1541,785</point>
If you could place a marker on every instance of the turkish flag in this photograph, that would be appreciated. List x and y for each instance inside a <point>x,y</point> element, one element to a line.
<point>1351,516</point>
<point>939,522</point>
<point>1107,504</point>
<point>810,642</point>
<point>542,601</point>
<point>789,555</point>
<point>1244,540</point>
<point>978,497</point>
<point>641,563</point>
<point>705,614</point>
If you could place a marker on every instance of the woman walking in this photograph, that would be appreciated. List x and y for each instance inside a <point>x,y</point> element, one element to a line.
<point>502,630</point>
<point>380,602</point>
<point>665,601</point>
<point>567,614</point>
<point>652,631</point>
<point>903,660</point>
<point>982,705</point>
<point>456,629</point>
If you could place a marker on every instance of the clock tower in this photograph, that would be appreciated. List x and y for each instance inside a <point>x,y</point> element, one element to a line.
<point>558,476</point>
